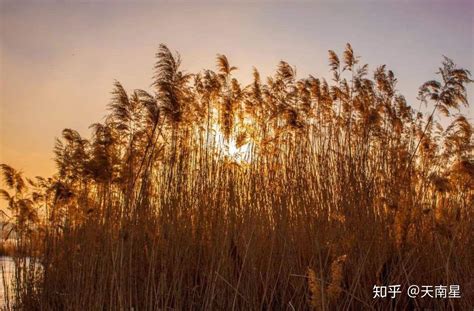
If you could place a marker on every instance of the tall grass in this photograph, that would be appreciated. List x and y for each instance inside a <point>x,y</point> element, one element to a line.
<point>288,194</point>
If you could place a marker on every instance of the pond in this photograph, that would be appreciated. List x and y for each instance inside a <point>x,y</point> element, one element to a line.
<point>7,277</point>
<point>7,272</point>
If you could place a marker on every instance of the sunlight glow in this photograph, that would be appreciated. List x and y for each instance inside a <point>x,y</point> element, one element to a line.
<point>230,149</point>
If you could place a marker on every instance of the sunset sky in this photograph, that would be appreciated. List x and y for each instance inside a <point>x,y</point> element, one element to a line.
<point>58,60</point>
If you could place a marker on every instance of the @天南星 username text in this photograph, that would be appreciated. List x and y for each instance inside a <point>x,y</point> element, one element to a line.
<point>417,291</point>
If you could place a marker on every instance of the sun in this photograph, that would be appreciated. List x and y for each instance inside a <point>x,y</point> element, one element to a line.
<point>231,149</point>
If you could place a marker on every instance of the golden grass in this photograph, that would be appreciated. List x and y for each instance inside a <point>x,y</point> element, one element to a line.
<point>342,187</point>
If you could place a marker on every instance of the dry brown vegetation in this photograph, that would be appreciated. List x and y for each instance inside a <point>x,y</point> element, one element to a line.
<point>284,194</point>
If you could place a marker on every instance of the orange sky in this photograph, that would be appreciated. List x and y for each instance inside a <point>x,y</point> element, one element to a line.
<point>58,60</point>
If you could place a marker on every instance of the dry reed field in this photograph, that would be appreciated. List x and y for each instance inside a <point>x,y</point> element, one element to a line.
<point>288,193</point>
